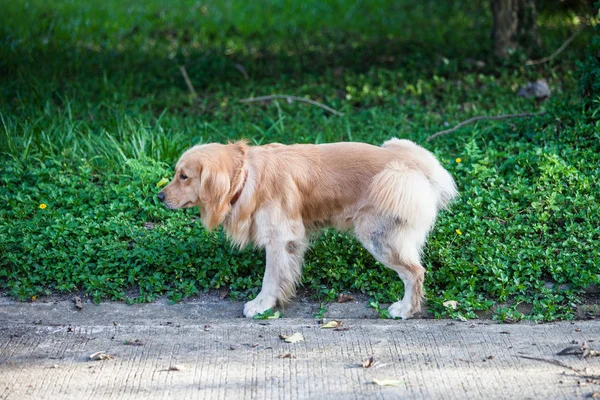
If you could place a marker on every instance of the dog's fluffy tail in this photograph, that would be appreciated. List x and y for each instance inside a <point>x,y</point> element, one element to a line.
<point>440,179</point>
<point>405,193</point>
<point>411,193</point>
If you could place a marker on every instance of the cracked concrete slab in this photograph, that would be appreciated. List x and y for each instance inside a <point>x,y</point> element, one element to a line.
<point>204,350</point>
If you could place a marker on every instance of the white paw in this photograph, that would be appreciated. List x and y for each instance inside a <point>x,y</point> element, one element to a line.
<point>259,305</point>
<point>400,310</point>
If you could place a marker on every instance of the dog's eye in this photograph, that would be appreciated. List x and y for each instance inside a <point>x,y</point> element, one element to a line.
<point>183,177</point>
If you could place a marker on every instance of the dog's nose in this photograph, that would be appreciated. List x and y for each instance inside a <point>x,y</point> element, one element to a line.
<point>161,196</point>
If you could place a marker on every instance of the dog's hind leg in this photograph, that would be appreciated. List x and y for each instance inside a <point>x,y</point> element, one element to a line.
<point>399,212</point>
<point>285,244</point>
<point>398,247</point>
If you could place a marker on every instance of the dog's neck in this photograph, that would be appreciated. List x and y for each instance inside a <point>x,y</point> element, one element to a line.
<point>237,194</point>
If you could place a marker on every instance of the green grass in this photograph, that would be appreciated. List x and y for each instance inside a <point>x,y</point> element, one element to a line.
<point>94,112</point>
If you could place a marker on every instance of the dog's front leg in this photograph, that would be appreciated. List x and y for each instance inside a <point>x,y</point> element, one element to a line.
<point>285,251</point>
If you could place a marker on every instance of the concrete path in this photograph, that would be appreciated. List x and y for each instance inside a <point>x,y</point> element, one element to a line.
<point>204,350</point>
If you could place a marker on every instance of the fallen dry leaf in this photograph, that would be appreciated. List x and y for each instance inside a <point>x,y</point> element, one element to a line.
<point>296,337</point>
<point>585,350</point>
<point>275,315</point>
<point>368,362</point>
<point>332,324</point>
<point>100,356</point>
<point>345,328</point>
<point>387,382</point>
<point>78,302</point>
<point>286,355</point>
<point>451,304</point>
<point>134,342</point>
<point>343,298</point>
<point>223,292</point>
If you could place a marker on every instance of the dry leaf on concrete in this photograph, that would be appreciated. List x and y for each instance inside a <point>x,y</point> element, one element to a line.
<point>134,342</point>
<point>100,356</point>
<point>332,324</point>
<point>585,350</point>
<point>368,362</point>
<point>78,302</point>
<point>296,337</point>
<point>387,382</point>
<point>343,298</point>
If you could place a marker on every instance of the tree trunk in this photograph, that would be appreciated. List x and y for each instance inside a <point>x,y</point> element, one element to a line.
<point>514,26</point>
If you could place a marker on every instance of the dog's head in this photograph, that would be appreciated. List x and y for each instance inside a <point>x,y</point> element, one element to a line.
<point>208,177</point>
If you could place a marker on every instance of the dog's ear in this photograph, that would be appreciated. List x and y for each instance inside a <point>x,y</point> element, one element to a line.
<point>215,186</point>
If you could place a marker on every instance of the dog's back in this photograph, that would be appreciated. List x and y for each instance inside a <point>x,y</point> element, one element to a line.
<point>334,179</point>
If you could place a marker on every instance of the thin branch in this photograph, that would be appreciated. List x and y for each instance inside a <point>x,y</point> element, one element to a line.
<point>187,80</point>
<point>578,373</point>
<point>552,361</point>
<point>483,117</point>
<point>242,70</point>
<point>559,50</point>
<point>290,99</point>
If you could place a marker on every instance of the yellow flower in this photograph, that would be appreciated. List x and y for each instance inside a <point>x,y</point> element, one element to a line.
<point>33,298</point>
<point>43,205</point>
<point>459,232</point>
<point>458,160</point>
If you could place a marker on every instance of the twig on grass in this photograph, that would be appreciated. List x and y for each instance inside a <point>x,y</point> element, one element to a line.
<point>242,70</point>
<point>559,50</point>
<point>483,117</point>
<point>188,82</point>
<point>291,99</point>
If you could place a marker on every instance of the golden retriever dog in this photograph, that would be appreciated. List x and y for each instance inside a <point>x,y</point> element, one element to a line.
<point>275,196</point>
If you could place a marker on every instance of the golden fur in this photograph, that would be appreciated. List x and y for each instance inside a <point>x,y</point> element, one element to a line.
<point>275,195</point>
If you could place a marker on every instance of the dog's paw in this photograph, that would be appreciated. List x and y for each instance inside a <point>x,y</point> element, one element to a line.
<point>259,305</point>
<point>400,310</point>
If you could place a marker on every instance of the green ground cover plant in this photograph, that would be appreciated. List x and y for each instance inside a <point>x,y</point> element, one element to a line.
<point>95,112</point>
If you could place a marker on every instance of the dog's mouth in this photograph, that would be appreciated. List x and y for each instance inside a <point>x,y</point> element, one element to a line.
<point>170,206</point>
